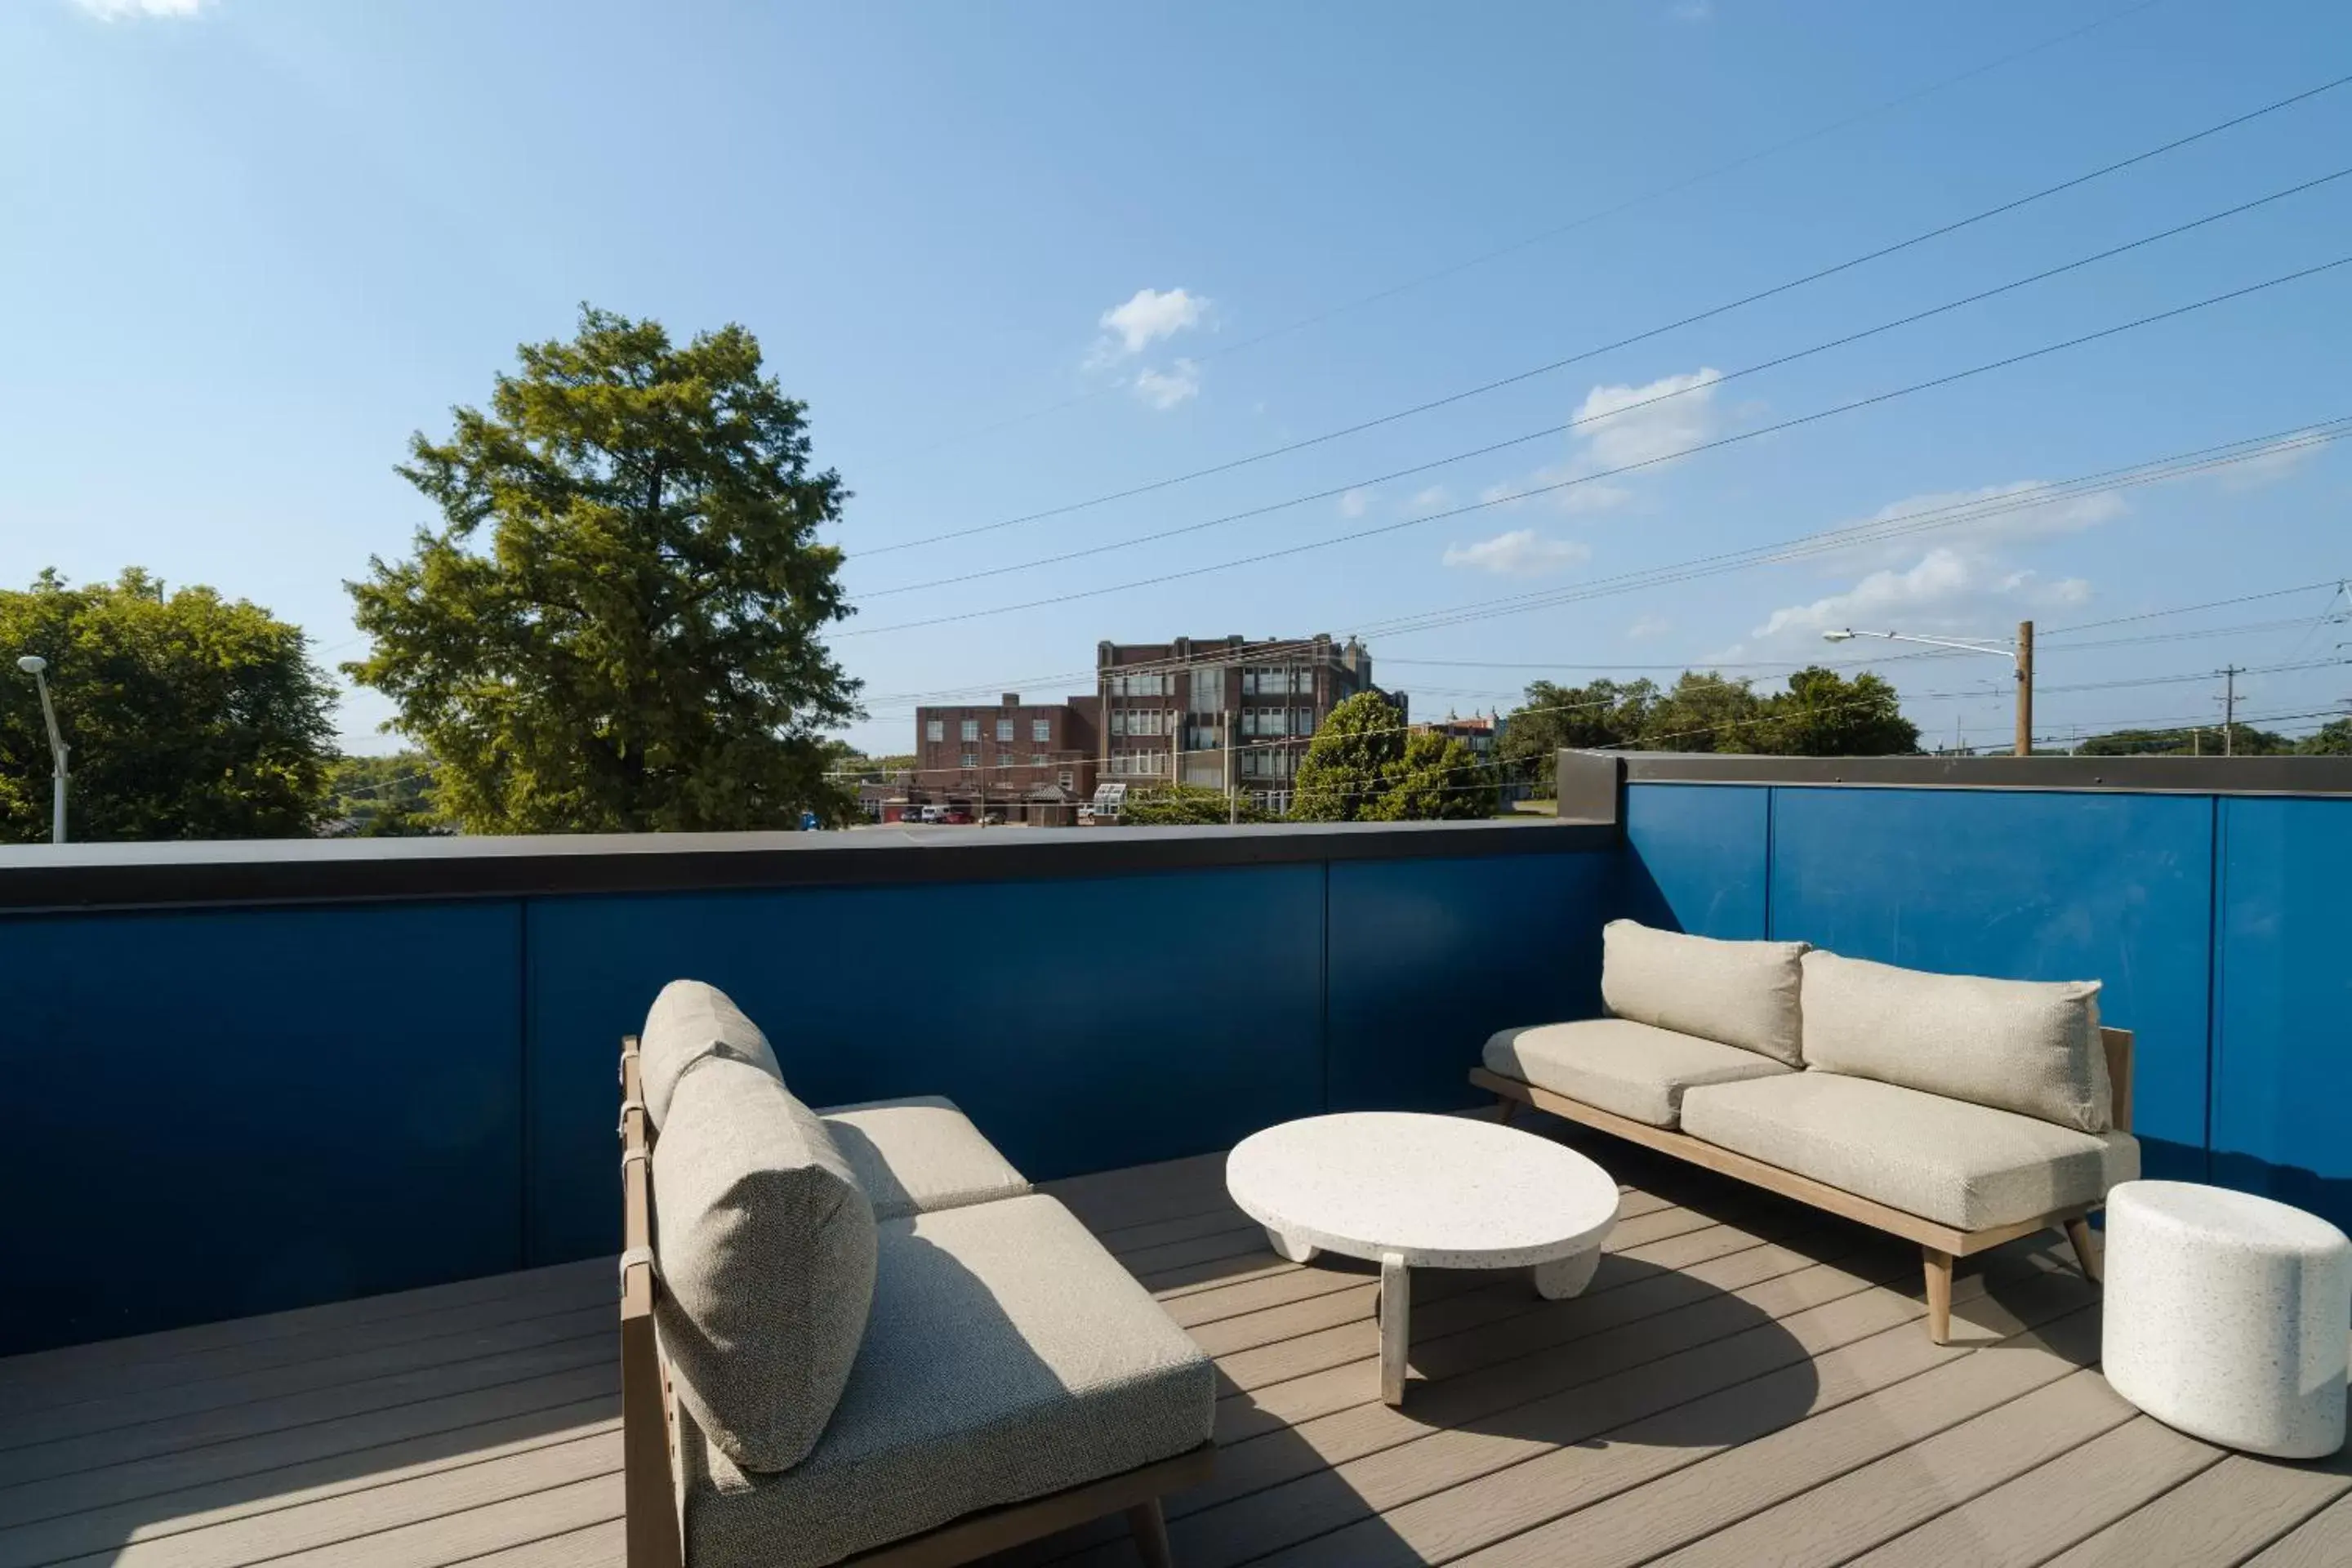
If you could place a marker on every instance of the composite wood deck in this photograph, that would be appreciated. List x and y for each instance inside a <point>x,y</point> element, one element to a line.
<point>1745,1382</point>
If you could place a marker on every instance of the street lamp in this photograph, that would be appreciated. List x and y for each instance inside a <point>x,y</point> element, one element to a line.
<point>33,664</point>
<point>2020,653</point>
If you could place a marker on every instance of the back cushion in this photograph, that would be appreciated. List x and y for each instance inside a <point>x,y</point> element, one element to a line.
<point>2024,1046</point>
<point>765,1250</point>
<point>689,1021</point>
<point>1740,993</point>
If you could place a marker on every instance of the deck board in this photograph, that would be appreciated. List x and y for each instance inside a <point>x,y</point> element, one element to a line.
<point>1744,1380</point>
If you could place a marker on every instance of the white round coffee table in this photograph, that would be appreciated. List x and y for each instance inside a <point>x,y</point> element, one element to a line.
<point>1406,1190</point>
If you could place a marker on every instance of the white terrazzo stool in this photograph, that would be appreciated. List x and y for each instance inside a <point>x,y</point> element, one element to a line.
<point>2228,1317</point>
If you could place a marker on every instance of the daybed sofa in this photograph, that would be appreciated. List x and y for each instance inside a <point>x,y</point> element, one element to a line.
<point>1955,1111</point>
<point>858,1335</point>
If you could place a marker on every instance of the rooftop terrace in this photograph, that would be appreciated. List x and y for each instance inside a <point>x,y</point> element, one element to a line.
<point>1745,1382</point>
<point>326,1130</point>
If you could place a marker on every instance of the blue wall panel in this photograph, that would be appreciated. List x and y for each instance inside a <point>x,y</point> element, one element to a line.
<point>2282,1051</point>
<point>2026,886</point>
<point>1082,1024</point>
<point>1699,860</point>
<point>236,1111</point>
<point>1428,957</point>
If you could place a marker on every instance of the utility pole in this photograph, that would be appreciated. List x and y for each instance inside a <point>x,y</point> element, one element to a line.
<point>2230,674</point>
<point>2025,688</point>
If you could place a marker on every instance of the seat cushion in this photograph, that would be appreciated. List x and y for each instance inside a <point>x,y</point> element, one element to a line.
<point>1630,1069</point>
<point>688,1022</point>
<point>765,1247</point>
<point>1964,1165</point>
<point>1741,994</point>
<point>1008,1356</point>
<point>913,1156</point>
<point>2028,1047</point>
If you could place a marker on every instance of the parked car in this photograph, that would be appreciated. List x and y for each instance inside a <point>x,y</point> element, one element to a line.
<point>956,817</point>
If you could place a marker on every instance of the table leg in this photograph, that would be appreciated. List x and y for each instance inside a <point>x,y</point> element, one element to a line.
<point>1566,1277</point>
<point>1396,1325</point>
<point>1287,1248</point>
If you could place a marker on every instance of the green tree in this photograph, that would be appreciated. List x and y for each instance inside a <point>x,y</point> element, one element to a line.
<point>1823,714</point>
<point>2332,740</point>
<point>187,715</point>
<point>1551,719</point>
<point>1183,804</point>
<point>2244,741</point>
<point>1437,778</point>
<point>1704,711</point>
<point>1363,766</point>
<point>1345,768</point>
<point>384,798</point>
<point>616,627</point>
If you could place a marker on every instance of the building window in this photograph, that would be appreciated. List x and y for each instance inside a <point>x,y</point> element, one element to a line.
<point>1153,685</point>
<point>1305,721</point>
<point>971,730</point>
<point>971,759</point>
<point>1004,732</point>
<point>935,729</point>
<point>1277,681</point>
<point>1208,691</point>
<point>1041,731</point>
<point>1037,760</point>
<point>1068,779</point>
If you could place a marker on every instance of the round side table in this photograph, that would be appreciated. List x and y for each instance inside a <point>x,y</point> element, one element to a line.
<point>2229,1316</point>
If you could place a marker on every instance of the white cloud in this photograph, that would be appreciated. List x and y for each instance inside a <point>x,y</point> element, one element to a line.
<point>2000,524</point>
<point>1355,503</point>
<point>1436,497</point>
<point>116,10</point>
<point>1948,591</point>
<point>1692,10</point>
<point>1165,389</point>
<point>1619,426</point>
<point>1649,627</point>
<point>1522,553</point>
<point>1547,488</point>
<point>1147,317</point>
<point>2281,461</point>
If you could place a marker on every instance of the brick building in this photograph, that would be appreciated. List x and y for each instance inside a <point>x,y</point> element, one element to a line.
<point>1220,712</point>
<point>1025,762</point>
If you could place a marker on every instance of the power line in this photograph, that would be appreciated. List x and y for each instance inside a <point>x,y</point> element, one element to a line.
<point>2170,466</point>
<point>1736,438</point>
<point>1644,336</point>
<point>1558,429</point>
<point>1657,193</point>
<point>1555,429</point>
<point>2188,609</point>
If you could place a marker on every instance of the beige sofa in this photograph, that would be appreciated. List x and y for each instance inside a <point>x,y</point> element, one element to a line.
<point>1955,1111</point>
<point>858,1335</point>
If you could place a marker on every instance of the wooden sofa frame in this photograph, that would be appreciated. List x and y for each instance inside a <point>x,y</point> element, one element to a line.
<point>1939,1244</point>
<point>654,1534</point>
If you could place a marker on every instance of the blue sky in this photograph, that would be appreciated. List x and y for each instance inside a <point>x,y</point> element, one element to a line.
<point>1018,256</point>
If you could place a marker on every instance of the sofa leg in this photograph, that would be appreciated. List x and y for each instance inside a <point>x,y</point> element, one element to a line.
<point>1503,1105</point>
<point>1150,1527</point>
<point>1940,1295</point>
<point>2086,1248</point>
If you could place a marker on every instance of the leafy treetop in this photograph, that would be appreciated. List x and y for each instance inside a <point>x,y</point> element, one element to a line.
<point>1364,766</point>
<point>616,627</point>
<point>185,715</point>
<point>1820,714</point>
